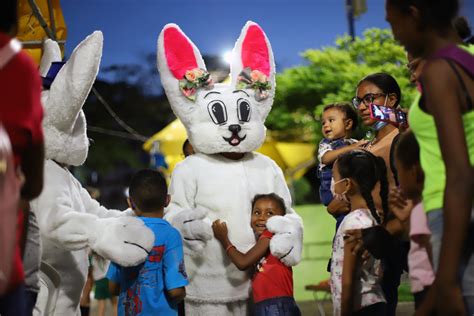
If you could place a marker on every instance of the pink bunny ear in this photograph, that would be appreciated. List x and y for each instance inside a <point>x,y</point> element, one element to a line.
<point>179,52</point>
<point>255,52</point>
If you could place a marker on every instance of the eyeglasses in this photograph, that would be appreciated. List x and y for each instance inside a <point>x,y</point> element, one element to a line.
<point>413,65</point>
<point>367,99</point>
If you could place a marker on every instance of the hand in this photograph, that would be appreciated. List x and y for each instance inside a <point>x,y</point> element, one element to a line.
<point>337,207</point>
<point>287,243</point>
<point>361,143</point>
<point>399,205</point>
<point>355,236</point>
<point>220,230</point>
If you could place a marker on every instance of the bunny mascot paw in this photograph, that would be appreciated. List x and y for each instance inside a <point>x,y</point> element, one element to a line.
<point>287,242</point>
<point>124,240</point>
<point>195,231</point>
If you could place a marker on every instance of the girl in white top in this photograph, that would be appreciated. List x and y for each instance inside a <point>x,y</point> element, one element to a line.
<point>356,283</point>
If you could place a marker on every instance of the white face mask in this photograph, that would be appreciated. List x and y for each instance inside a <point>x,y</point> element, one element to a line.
<point>338,196</point>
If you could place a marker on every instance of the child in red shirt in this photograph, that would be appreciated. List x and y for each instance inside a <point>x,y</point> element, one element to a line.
<point>272,283</point>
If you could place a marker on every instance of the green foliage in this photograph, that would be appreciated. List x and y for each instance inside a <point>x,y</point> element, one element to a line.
<point>331,75</point>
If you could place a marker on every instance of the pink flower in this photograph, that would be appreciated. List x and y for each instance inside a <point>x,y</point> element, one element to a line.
<point>258,76</point>
<point>189,92</point>
<point>190,75</point>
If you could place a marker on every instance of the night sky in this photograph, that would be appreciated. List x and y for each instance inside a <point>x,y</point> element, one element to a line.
<point>131,27</point>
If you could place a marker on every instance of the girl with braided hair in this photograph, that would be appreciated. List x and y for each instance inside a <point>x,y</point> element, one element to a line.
<point>356,284</point>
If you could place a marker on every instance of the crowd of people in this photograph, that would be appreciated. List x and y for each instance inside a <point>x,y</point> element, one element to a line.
<point>402,201</point>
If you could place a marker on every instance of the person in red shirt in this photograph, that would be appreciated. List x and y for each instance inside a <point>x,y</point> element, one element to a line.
<point>272,282</point>
<point>21,114</point>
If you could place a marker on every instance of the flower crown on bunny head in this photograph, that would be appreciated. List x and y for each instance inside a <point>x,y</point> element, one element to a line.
<point>219,117</point>
<point>64,123</point>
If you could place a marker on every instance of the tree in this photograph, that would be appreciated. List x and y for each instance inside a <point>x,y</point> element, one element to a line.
<point>331,75</point>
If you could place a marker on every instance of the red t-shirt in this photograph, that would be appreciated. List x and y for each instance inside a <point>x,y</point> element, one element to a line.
<point>272,278</point>
<point>21,114</point>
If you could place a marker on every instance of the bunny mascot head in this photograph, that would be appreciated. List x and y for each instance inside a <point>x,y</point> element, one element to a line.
<point>225,124</point>
<point>69,220</point>
<point>219,117</point>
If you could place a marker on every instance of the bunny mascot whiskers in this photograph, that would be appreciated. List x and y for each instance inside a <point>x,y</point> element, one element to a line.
<point>70,221</point>
<point>225,124</point>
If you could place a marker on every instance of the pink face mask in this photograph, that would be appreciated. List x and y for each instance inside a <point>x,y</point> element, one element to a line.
<point>338,196</point>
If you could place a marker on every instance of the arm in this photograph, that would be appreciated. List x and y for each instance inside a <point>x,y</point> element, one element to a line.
<point>348,270</point>
<point>242,261</point>
<point>114,288</point>
<point>113,275</point>
<point>177,295</point>
<point>440,86</point>
<point>93,207</point>
<point>182,212</point>
<point>331,155</point>
<point>32,167</point>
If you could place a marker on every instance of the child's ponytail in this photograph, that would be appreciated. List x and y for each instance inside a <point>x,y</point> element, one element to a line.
<point>382,174</point>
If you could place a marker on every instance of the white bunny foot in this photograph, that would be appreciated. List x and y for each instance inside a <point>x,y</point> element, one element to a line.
<point>287,242</point>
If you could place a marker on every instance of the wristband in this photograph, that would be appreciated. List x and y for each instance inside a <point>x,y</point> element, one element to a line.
<point>228,248</point>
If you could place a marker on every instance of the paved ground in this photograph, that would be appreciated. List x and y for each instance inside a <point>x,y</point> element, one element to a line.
<point>308,308</point>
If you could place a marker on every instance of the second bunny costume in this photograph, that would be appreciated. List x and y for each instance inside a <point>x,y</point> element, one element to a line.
<point>70,221</point>
<point>223,118</point>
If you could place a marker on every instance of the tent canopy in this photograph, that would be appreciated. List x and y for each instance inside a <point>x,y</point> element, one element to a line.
<point>293,158</point>
<point>37,21</point>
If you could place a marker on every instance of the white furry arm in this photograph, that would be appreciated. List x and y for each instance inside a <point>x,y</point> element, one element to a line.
<point>287,243</point>
<point>182,212</point>
<point>93,207</point>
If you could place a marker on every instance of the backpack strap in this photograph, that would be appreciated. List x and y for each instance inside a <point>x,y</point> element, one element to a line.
<point>9,51</point>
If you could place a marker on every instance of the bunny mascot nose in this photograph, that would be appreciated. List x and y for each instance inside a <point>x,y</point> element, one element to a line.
<point>235,128</point>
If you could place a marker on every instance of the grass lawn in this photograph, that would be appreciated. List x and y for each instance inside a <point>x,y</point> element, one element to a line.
<point>319,229</point>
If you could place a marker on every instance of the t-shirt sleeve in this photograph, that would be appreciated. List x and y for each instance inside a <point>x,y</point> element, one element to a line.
<point>419,222</point>
<point>324,147</point>
<point>173,264</point>
<point>266,234</point>
<point>113,274</point>
<point>357,220</point>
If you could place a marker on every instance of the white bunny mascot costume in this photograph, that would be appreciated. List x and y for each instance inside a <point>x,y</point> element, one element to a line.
<point>70,221</point>
<point>223,118</point>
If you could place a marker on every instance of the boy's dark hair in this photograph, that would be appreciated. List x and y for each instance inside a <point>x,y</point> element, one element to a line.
<point>384,82</point>
<point>148,190</point>
<point>366,170</point>
<point>271,196</point>
<point>348,111</point>
<point>437,14</point>
<point>8,15</point>
<point>407,150</point>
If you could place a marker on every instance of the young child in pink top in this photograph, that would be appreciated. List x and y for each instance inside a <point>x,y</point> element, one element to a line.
<point>405,202</point>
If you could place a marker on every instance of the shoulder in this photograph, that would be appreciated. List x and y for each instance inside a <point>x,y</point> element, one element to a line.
<point>358,219</point>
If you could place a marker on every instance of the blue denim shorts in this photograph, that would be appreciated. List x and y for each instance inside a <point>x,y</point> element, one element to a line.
<point>466,270</point>
<point>277,306</point>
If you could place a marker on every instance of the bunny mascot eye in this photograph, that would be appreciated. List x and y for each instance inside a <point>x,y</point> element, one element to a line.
<point>225,125</point>
<point>243,110</point>
<point>218,112</point>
